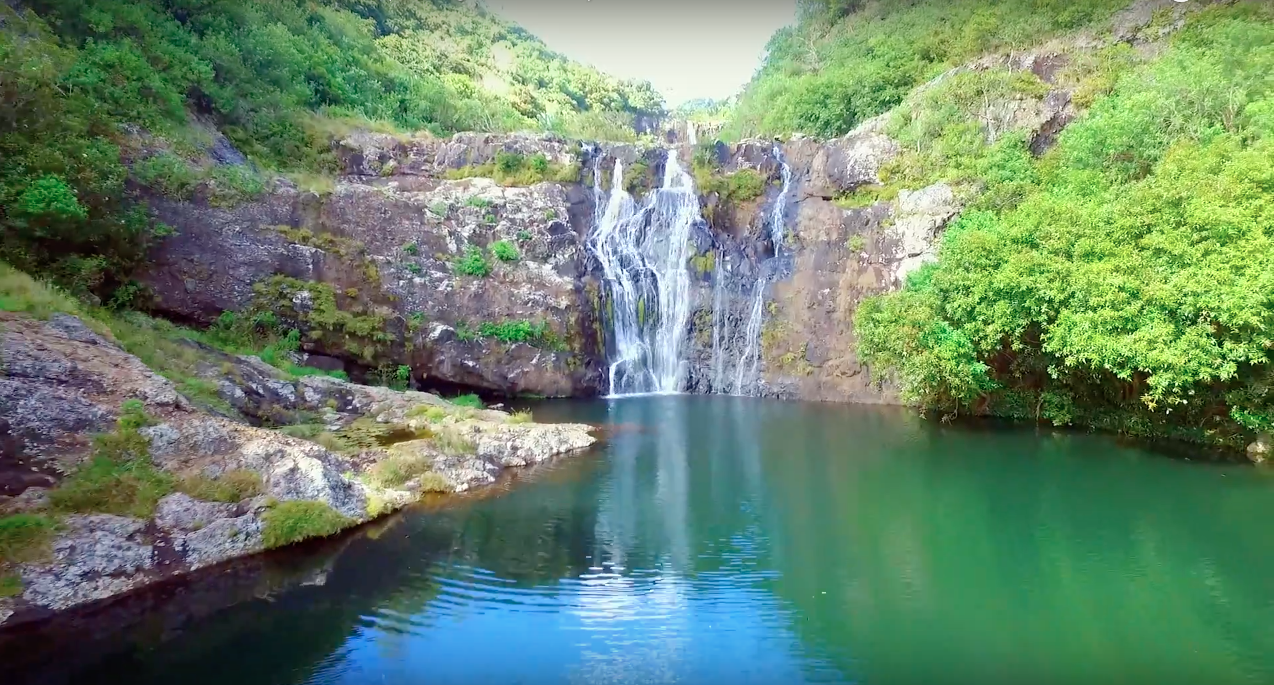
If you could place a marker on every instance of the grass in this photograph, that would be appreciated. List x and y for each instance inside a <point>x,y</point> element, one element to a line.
<point>428,412</point>
<point>26,537</point>
<point>296,520</point>
<point>231,487</point>
<point>472,401</point>
<point>521,417</point>
<point>450,441</point>
<point>120,478</point>
<point>10,585</point>
<point>398,469</point>
<point>21,293</point>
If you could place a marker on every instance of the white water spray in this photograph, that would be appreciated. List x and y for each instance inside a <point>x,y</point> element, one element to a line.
<point>643,254</point>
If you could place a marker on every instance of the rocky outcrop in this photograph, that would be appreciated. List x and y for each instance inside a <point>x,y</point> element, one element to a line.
<point>63,382</point>
<point>386,245</point>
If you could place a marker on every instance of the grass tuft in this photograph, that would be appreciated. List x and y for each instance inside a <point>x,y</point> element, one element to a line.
<point>231,487</point>
<point>296,520</point>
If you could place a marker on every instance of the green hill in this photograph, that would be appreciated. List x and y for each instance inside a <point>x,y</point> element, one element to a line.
<point>84,81</point>
<point>1123,279</point>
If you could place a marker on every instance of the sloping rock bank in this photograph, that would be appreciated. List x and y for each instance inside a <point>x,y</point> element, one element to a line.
<point>372,450</point>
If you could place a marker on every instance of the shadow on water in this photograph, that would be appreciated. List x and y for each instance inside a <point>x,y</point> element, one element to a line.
<point>738,540</point>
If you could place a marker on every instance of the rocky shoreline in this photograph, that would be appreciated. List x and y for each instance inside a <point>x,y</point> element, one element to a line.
<point>64,382</point>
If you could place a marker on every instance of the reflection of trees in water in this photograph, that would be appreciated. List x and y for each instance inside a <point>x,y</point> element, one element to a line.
<point>1011,557</point>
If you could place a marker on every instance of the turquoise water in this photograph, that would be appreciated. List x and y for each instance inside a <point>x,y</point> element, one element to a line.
<point>730,540</point>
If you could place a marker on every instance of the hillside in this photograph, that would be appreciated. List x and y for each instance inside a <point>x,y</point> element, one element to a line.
<point>1118,274</point>
<point>99,94</point>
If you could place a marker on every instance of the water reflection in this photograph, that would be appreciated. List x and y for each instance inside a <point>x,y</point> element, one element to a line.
<point>737,540</point>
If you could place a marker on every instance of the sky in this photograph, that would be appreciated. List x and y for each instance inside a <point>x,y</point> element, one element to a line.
<point>688,48</point>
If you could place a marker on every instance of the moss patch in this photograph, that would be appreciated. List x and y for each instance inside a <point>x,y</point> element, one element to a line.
<point>356,328</point>
<point>231,487</point>
<point>26,537</point>
<point>296,520</point>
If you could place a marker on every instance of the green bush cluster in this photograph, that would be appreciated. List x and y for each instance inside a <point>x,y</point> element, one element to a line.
<point>471,401</point>
<point>505,251</point>
<point>473,263</point>
<point>1126,285</point>
<point>358,329</point>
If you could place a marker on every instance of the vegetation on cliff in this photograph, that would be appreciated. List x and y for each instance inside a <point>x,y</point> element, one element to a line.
<point>846,61</point>
<point>1124,280</point>
<point>101,94</point>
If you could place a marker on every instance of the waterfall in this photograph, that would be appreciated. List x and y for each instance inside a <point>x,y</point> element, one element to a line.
<point>643,253</point>
<point>749,362</point>
<point>690,133</point>
<point>720,325</point>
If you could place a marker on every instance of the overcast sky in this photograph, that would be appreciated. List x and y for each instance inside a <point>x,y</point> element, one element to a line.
<point>687,49</point>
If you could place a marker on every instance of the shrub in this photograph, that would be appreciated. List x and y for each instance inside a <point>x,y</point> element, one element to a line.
<point>473,263</point>
<point>504,251</point>
<point>296,520</point>
<point>169,174</point>
<point>521,417</point>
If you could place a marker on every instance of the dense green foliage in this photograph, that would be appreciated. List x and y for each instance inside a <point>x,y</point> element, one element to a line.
<point>848,60</point>
<point>1125,280</point>
<point>98,92</point>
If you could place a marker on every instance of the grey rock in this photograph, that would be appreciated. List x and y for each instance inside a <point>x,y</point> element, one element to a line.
<point>181,512</point>
<point>1260,450</point>
<point>221,540</point>
<point>95,557</point>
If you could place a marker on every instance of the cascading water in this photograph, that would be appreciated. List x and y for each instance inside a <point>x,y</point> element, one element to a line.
<point>749,362</point>
<point>643,253</point>
<point>720,325</point>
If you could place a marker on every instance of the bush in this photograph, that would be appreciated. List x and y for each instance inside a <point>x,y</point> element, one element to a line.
<point>504,251</point>
<point>169,174</point>
<point>296,520</point>
<point>473,263</point>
